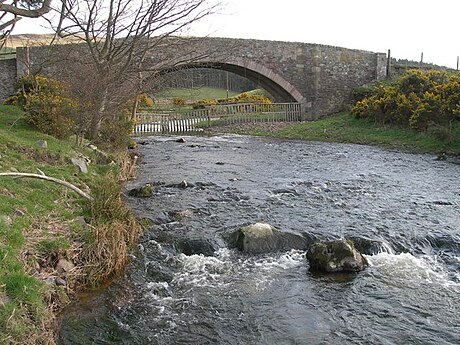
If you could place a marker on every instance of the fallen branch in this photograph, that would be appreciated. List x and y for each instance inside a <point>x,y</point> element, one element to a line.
<point>51,179</point>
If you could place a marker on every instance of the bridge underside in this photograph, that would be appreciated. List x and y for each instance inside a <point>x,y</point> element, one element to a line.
<point>280,94</point>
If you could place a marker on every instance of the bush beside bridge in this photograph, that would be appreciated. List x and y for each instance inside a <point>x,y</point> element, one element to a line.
<point>421,100</point>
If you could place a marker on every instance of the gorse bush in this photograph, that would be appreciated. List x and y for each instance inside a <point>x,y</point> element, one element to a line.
<point>245,97</point>
<point>419,100</point>
<point>47,103</point>
<point>145,101</point>
<point>179,101</point>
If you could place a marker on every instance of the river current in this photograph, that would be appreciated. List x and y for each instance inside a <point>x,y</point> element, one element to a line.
<point>409,204</point>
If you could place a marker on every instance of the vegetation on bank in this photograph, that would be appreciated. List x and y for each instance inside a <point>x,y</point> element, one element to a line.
<point>346,128</point>
<point>417,112</point>
<point>423,101</point>
<point>52,241</point>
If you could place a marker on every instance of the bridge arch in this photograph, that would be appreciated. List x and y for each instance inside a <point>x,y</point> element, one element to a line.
<point>277,86</point>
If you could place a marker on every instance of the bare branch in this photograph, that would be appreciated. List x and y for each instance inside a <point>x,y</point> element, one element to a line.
<point>51,179</point>
<point>26,12</point>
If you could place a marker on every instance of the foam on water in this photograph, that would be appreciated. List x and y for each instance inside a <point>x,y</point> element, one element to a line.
<point>219,271</point>
<point>406,268</point>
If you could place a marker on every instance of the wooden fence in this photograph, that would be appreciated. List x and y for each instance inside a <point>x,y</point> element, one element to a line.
<point>198,120</point>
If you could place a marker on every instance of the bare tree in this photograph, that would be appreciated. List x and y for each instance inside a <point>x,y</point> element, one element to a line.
<point>118,36</point>
<point>13,10</point>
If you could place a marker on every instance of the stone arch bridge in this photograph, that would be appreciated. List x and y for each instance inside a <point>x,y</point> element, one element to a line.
<point>321,78</point>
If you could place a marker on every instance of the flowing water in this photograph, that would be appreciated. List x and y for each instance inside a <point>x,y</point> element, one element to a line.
<point>409,204</point>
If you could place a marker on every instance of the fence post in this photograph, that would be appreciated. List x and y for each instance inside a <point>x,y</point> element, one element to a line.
<point>163,124</point>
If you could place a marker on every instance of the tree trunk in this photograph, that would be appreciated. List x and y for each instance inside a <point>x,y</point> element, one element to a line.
<point>96,120</point>
<point>134,110</point>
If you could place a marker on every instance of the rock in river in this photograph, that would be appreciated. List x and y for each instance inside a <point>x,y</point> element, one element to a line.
<point>144,191</point>
<point>335,256</point>
<point>264,238</point>
<point>197,247</point>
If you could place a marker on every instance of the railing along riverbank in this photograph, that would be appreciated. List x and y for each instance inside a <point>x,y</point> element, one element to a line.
<point>199,119</point>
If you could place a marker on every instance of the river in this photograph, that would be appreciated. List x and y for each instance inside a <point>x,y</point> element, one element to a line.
<point>408,203</point>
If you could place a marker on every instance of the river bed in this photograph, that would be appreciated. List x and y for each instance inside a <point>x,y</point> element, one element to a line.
<point>409,294</point>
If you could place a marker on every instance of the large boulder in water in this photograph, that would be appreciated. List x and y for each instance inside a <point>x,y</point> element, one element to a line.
<point>263,238</point>
<point>335,256</point>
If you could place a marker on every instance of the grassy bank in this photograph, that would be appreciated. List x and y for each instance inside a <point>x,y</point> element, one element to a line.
<point>53,242</point>
<point>346,128</point>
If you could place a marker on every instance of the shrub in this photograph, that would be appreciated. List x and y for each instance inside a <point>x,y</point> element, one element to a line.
<point>418,100</point>
<point>47,103</point>
<point>145,101</point>
<point>115,133</point>
<point>179,101</point>
<point>363,92</point>
<point>203,104</point>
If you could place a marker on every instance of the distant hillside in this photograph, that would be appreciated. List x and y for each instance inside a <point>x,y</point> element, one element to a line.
<point>411,64</point>
<point>34,40</point>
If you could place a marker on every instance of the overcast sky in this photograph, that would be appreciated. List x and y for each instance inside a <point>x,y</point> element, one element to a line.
<point>407,27</point>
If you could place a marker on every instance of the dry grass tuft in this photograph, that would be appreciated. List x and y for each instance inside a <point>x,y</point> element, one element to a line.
<point>127,162</point>
<point>115,230</point>
<point>108,255</point>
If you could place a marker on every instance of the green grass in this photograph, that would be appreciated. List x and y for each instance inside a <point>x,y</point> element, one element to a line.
<point>27,207</point>
<point>345,128</point>
<point>195,94</point>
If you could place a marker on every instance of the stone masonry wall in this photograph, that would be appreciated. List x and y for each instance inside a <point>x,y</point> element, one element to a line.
<point>324,75</point>
<point>320,77</point>
<point>7,78</point>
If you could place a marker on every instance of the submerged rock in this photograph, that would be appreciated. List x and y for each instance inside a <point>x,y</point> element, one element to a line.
<point>144,191</point>
<point>371,247</point>
<point>197,247</point>
<point>264,238</point>
<point>335,256</point>
<point>441,157</point>
<point>179,215</point>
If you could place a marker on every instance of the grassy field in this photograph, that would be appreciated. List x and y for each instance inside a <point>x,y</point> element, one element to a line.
<point>195,94</point>
<point>347,129</point>
<point>42,223</point>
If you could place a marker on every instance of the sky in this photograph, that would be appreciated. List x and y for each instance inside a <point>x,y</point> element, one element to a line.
<point>407,27</point>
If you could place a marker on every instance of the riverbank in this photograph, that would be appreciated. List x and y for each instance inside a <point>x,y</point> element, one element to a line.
<point>53,241</point>
<point>345,128</point>
<point>402,207</point>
